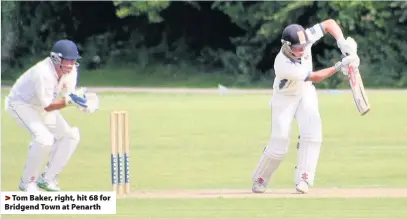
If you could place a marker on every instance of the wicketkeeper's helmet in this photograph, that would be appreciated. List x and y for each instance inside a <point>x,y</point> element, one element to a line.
<point>64,49</point>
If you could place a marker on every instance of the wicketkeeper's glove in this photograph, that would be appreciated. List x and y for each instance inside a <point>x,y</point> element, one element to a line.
<point>92,103</point>
<point>76,98</point>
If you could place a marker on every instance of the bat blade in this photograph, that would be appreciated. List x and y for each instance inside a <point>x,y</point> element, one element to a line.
<point>358,90</point>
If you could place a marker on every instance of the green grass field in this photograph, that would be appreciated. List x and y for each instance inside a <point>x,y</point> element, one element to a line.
<point>159,76</point>
<point>207,141</point>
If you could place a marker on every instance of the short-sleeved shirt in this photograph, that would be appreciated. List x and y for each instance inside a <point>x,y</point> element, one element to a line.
<point>291,76</point>
<point>39,85</point>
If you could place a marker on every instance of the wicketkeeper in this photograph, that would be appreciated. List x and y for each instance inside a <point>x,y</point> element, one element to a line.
<point>34,102</point>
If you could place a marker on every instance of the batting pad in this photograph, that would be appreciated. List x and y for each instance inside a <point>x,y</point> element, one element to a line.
<point>265,169</point>
<point>307,160</point>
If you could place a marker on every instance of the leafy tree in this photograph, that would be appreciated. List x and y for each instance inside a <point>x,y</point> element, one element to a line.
<point>149,8</point>
<point>379,28</point>
<point>263,22</point>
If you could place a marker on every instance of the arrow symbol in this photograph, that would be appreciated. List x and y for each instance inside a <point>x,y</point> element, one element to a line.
<point>7,197</point>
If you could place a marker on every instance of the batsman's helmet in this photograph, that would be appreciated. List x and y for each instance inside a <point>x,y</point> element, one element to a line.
<point>293,36</point>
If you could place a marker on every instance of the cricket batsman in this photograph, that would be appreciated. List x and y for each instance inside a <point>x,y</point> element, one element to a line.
<point>35,101</point>
<point>295,97</point>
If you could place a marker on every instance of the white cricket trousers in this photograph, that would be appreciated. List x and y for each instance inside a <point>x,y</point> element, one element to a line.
<point>304,109</point>
<point>46,130</point>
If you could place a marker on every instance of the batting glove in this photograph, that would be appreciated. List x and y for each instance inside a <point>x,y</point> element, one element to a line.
<point>343,65</point>
<point>348,46</point>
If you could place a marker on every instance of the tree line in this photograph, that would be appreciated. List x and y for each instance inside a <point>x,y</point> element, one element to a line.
<point>238,38</point>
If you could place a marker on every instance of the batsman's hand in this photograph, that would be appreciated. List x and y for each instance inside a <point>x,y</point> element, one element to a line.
<point>348,46</point>
<point>346,62</point>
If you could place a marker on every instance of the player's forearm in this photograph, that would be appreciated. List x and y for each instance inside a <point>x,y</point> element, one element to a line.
<point>56,105</point>
<point>320,75</point>
<point>330,26</point>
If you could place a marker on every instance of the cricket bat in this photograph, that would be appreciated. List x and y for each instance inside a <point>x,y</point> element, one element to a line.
<point>358,90</point>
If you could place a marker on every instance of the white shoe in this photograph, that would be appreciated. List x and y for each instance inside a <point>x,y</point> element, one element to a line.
<point>29,187</point>
<point>51,186</point>
<point>302,187</point>
<point>258,187</point>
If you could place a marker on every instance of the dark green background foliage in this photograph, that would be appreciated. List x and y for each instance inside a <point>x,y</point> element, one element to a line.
<point>239,39</point>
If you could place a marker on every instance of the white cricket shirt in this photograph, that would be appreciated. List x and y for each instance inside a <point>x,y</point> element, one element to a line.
<point>291,76</point>
<point>39,86</point>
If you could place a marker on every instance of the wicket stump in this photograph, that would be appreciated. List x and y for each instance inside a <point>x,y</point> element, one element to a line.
<point>120,151</point>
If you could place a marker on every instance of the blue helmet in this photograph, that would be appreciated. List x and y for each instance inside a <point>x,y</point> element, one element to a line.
<point>65,49</point>
<point>293,36</point>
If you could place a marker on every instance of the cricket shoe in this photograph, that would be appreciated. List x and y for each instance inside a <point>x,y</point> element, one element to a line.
<point>29,187</point>
<point>259,186</point>
<point>49,186</point>
<point>302,187</point>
